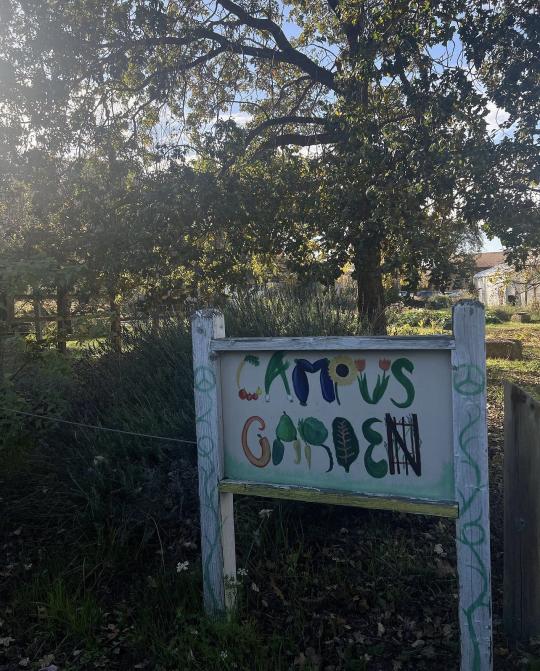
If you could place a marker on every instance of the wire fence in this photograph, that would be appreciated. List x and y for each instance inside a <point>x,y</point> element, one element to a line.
<point>96,427</point>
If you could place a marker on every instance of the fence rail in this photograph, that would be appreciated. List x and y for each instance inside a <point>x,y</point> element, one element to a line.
<point>13,322</point>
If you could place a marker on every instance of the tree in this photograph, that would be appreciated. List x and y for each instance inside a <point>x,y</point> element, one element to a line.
<point>392,94</point>
<point>104,229</point>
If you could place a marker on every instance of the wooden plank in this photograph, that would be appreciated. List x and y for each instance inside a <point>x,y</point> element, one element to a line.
<point>472,490</point>
<point>217,519</point>
<point>333,497</point>
<point>513,521</point>
<point>382,343</point>
<point>521,514</point>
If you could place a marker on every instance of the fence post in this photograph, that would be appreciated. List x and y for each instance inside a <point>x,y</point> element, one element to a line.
<point>37,318</point>
<point>62,311</point>
<point>7,310</point>
<point>521,514</point>
<point>217,515</point>
<point>116,324</point>
<point>472,490</point>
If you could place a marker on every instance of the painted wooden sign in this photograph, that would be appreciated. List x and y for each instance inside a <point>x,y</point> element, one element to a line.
<point>355,421</point>
<point>379,422</point>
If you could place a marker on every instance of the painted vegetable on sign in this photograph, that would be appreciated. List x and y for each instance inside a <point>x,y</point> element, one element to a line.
<point>301,383</point>
<point>276,369</point>
<point>285,433</point>
<point>278,452</point>
<point>243,394</point>
<point>286,430</point>
<point>295,440</point>
<point>314,432</point>
<point>345,442</point>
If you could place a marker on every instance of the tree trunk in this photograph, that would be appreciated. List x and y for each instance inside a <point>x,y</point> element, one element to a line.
<point>155,320</point>
<point>369,278</point>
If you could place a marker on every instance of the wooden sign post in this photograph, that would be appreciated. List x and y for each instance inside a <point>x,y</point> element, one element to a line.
<point>377,422</point>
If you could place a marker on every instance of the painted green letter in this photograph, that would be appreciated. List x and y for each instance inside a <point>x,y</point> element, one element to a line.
<point>397,371</point>
<point>377,469</point>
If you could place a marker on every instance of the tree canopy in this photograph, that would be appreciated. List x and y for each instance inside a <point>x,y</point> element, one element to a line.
<point>391,96</point>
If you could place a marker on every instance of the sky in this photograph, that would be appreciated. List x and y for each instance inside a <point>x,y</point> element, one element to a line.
<point>494,245</point>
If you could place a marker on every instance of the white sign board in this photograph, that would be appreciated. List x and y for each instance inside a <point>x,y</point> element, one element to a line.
<point>357,421</point>
<point>379,422</point>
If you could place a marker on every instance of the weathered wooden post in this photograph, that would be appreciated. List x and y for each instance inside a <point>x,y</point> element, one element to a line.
<point>472,490</point>
<point>217,512</point>
<point>521,514</point>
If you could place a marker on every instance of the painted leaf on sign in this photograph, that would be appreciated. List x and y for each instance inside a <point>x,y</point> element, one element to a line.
<point>345,442</point>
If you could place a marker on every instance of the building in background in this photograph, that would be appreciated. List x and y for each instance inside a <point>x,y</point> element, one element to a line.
<point>501,284</point>
<point>486,260</point>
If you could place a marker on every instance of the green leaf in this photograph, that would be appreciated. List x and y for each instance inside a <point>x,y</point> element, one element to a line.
<point>345,442</point>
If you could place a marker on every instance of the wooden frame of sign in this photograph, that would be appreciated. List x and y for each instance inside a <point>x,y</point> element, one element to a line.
<point>388,423</point>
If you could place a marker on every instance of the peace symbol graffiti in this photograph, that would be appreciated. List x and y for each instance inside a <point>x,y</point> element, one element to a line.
<point>204,378</point>
<point>469,379</point>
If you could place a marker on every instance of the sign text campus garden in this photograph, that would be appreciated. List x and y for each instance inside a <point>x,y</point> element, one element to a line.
<point>379,422</point>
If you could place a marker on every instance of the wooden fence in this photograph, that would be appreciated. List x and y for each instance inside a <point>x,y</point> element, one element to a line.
<point>521,514</point>
<point>63,317</point>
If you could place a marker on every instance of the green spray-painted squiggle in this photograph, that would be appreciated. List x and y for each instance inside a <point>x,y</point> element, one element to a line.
<point>469,381</point>
<point>205,383</point>
<point>464,442</point>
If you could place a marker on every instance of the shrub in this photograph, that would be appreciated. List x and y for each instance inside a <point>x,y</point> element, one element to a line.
<point>439,301</point>
<point>499,315</point>
<point>292,311</point>
<point>418,318</point>
<point>127,482</point>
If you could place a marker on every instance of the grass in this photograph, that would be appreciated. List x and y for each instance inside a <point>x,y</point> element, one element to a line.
<point>525,372</point>
<point>89,552</point>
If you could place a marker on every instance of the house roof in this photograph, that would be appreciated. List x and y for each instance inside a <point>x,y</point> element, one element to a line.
<point>502,268</point>
<point>488,259</point>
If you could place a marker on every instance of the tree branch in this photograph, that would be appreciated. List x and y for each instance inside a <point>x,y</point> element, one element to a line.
<point>352,32</point>
<point>285,53</point>
<point>203,34</point>
<point>282,121</point>
<point>291,55</point>
<point>300,140</point>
